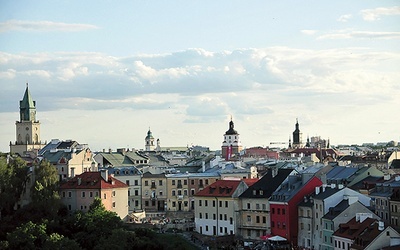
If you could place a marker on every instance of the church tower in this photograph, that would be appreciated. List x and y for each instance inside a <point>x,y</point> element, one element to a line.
<point>231,146</point>
<point>149,140</point>
<point>27,128</point>
<point>297,136</point>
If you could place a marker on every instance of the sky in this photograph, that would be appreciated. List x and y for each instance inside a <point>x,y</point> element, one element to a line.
<point>104,72</point>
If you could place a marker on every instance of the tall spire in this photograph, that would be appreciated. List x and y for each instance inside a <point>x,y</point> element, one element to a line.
<point>27,107</point>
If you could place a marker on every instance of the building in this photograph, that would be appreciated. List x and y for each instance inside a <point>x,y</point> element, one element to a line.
<point>149,142</point>
<point>338,215</point>
<point>297,136</point>
<point>231,146</point>
<point>325,197</point>
<point>79,193</point>
<point>132,177</point>
<point>27,128</point>
<point>254,213</point>
<point>154,194</point>
<point>216,207</point>
<point>283,205</point>
<point>69,157</point>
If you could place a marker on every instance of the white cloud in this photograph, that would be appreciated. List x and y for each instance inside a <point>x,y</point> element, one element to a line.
<point>375,14</point>
<point>360,35</point>
<point>309,32</point>
<point>345,18</point>
<point>43,26</point>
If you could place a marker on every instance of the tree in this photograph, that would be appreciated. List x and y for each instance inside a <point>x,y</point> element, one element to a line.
<point>14,176</point>
<point>46,183</point>
<point>27,236</point>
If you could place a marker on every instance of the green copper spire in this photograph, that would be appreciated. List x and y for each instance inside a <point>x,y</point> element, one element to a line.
<point>27,107</point>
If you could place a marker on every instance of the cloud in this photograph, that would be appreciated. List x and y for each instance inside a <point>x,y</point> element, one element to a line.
<point>309,32</point>
<point>345,18</point>
<point>360,35</point>
<point>202,86</point>
<point>375,14</point>
<point>43,26</point>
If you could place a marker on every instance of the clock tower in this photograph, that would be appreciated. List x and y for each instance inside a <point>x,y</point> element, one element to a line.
<point>231,146</point>
<point>27,128</point>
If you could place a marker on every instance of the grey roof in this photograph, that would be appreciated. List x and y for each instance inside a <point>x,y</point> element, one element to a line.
<point>123,171</point>
<point>267,184</point>
<point>336,210</point>
<point>340,173</point>
<point>287,189</point>
<point>323,194</point>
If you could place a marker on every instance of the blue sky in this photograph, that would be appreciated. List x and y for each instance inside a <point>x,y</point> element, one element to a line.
<point>103,72</point>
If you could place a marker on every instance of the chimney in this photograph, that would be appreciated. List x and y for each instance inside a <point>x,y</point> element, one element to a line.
<point>203,164</point>
<point>323,188</point>
<point>72,172</point>
<point>340,186</point>
<point>397,178</point>
<point>109,150</point>
<point>381,225</point>
<point>333,185</point>
<point>79,181</point>
<point>352,199</point>
<point>104,174</point>
<point>360,217</point>
<point>274,172</point>
<point>316,190</point>
<point>386,177</point>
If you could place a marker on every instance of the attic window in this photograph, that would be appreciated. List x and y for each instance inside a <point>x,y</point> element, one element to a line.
<point>261,192</point>
<point>254,192</point>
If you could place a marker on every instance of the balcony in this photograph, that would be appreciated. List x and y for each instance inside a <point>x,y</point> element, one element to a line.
<point>179,197</point>
<point>153,186</point>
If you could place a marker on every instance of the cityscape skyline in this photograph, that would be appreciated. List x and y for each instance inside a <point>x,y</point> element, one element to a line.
<point>105,73</point>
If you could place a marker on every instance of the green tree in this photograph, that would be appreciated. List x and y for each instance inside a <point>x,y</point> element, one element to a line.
<point>13,179</point>
<point>96,224</point>
<point>28,236</point>
<point>46,183</point>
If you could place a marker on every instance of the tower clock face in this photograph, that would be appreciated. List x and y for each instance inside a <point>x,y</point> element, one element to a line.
<point>27,128</point>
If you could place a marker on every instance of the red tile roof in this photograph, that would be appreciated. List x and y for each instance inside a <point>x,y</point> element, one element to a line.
<point>220,188</point>
<point>250,182</point>
<point>353,228</point>
<point>92,180</point>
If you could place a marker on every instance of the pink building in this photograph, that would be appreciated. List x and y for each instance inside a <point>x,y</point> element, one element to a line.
<point>79,192</point>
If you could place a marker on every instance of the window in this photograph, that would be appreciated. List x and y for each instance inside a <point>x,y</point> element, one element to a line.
<point>113,204</point>
<point>264,206</point>
<point>206,203</point>
<point>173,204</point>
<point>264,219</point>
<point>83,194</point>
<point>273,210</point>
<point>206,181</point>
<point>69,194</point>
<point>279,211</point>
<point>146,183</point>
<point>283,211</point>
<point>199,203</point>
<point>184,182</point>
<point>220,203</point>
<point>63,194</point>
<point>230,220</point>
<point>248,218</point>
<point>127,182</point>
<point>192,191</point>
<point>248,205</point>
<point>113,193</point>
<point>213,203</point>
<point>90,194</point>
<point>173,182</point>
<point>161,193</point>
<point>136,183</point>
<point>192,182</point>
<point>160,182</point>
<point>173,192</point>
<point>207,228</point>
<point>220,216</point>
<point>225,217</point>
<point>146,203</point>
<point>200,215</point>
<point>105,196</point>
<point>206,215</point>
<point>136,192</point>
<point>214,216</point>
<point>257,206</point>
<point>226,203</point>
<point>257,219</point>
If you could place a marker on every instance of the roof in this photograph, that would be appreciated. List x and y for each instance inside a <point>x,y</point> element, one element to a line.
<point>150,175</point>
<point>325,192</point>
<point>354,228</point>
<point>123,171</point>
<point>340,173</point>
<point>267,184</point>
<point>231,130</point>
<point>92,180</point>
<point>220,188</point>
<point>250,182</point>
<point>336,210</point>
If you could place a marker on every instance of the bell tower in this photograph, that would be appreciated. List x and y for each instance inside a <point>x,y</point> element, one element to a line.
<point>27,128</point>
<point>149,140</point>
<point>231,146</point>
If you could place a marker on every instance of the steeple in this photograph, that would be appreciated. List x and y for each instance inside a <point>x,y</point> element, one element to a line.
<point>27,107</point>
